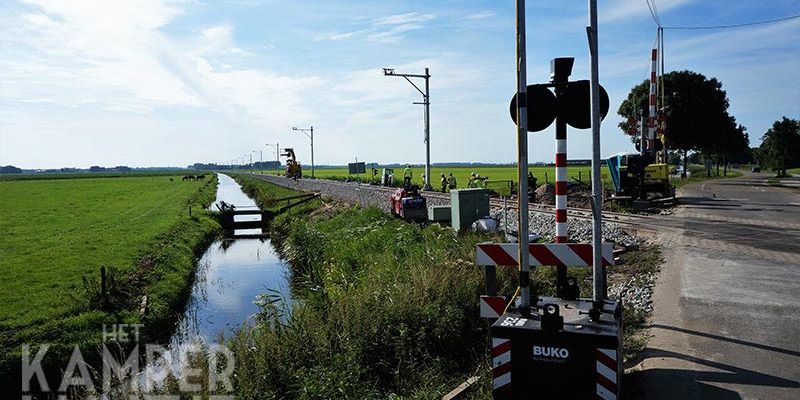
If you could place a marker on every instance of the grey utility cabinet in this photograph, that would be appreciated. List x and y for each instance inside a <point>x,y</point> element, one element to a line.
<point>439,213</point>
<point>467,206</point>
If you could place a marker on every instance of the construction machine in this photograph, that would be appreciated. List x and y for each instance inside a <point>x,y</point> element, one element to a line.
<point>408,204</point>
<point>293,168</point>
<point>634,175</point>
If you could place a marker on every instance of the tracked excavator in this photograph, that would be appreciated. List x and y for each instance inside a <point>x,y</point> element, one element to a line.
<point>293,168</point>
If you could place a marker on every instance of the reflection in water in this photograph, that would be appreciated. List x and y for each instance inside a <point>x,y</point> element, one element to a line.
<point>230,276</point>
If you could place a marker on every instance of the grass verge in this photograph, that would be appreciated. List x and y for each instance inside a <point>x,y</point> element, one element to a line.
<point>697,173</point>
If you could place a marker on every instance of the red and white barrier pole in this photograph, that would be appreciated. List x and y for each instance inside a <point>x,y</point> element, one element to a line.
<point>561,182</point>
<point>651,121</point>
<point>562,234</point>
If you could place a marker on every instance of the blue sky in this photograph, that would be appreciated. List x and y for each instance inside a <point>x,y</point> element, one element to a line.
<point>158,82</point>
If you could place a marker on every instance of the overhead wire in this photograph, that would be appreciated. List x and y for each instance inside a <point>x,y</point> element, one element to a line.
<point>652,13</point>
<point>769,21</point>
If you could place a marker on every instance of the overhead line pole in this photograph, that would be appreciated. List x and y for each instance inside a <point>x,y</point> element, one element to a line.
<point>306,132</point>
<point>426,102</point>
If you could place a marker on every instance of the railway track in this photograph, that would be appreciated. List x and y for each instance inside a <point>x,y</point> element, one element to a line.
<point>743,237</point>
<point>641,222</point>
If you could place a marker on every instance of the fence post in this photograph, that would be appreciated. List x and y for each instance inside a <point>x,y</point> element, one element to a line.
<point>103,284</point>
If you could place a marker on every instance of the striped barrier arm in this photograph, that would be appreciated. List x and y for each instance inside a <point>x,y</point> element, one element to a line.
<point>492,306</point>
<point>553,254</point>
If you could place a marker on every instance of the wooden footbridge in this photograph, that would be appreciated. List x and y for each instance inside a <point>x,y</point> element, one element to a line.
<point>229,212</point>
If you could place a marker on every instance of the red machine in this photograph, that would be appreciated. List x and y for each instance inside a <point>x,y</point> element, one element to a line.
<point>408,204</point>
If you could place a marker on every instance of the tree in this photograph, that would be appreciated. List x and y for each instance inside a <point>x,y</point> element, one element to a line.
<point>780,146</point>
<point>697,110</point>
<point>10,169</point>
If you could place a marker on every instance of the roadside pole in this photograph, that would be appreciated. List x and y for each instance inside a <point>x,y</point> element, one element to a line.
<point>598,273</point>
<point>522,161</point>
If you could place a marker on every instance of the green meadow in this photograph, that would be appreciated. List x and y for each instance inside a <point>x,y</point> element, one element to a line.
<point>58,233</point>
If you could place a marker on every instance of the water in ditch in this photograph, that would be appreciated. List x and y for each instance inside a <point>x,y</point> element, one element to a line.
<point>231,276</point>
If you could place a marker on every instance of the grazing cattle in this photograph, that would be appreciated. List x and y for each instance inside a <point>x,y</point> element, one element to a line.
<point>171,180</point>
<point>201,177</point>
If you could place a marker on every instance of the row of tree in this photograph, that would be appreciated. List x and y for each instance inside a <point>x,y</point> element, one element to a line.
<point>780,146</point>
<point>696,110</point>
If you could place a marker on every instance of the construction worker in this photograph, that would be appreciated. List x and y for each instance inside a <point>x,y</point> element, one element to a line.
<point>531,187</point>
<point>444,183</point>
<point>407,176</point>
<point>451,182</point>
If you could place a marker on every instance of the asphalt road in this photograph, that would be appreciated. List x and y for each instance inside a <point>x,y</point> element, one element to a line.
<point>726,323</point>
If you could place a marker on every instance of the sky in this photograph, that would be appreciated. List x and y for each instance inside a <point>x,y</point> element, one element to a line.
<point>170,83</point>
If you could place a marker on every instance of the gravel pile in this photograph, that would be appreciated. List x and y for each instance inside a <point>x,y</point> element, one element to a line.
<point>637,292</point>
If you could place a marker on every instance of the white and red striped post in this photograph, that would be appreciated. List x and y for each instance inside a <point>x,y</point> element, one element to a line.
<point>561,185</point>
<point>562,234</point>
<point>501,365</point>
<point>607,374</point>
<point>651,121</point>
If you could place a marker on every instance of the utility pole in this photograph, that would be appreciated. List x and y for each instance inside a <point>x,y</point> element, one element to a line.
<point>311,135</point>
<point>425,102</point>
<point>598,273</point>
<point>277,152</point>
<point>261,160</point>
<point>523,254</point>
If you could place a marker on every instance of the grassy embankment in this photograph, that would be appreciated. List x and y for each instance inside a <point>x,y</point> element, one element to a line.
<point>385,309</point>
<point>697,173</point>
<point>266,196</point>
<point>57,235</point>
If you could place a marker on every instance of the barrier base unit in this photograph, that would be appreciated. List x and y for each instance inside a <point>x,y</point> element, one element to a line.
<point>557,351</point>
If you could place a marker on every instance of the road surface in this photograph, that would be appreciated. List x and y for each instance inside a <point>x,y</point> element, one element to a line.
<point>726,323</point>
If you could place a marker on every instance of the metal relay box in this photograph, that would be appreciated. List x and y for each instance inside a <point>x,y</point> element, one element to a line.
<point>554,350</point>
<point>467,206</point>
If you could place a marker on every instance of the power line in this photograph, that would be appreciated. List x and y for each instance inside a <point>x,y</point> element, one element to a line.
<point>655,11</point>
<point>769,21</point>
<point>652,13</point>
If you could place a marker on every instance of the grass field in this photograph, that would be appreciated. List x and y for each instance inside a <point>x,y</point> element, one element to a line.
<point>56,232</point>
<point>86,175</point>
<point>462,174</point>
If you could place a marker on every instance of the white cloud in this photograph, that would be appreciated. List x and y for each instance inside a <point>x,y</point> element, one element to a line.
<point>388,29</point>
<point>115,56</point>
<point>480,15</point>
